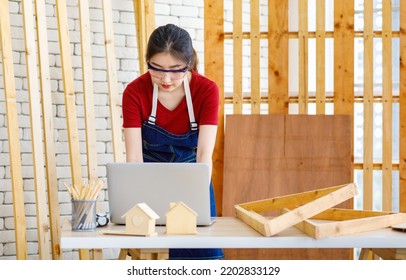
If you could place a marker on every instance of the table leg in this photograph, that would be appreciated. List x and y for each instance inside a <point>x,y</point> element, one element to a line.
<point>144,254</point>
<point>84,254</point>
<point>366,254</point>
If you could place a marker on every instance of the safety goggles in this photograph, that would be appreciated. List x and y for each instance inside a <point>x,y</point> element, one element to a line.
<point>173,74</point>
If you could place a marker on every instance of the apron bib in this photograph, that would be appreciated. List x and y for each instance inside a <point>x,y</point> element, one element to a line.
<point>160,145</point>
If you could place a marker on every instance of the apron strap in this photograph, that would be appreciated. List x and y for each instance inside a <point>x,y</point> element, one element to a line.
<point>152,117</point>
<point>193,123</point>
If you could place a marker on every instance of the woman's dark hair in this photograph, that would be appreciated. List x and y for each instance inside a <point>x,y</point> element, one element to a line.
<point>173,40</point>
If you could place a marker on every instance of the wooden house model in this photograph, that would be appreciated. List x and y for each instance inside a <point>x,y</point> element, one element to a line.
<point>181,219</point>
<point>140,220</point>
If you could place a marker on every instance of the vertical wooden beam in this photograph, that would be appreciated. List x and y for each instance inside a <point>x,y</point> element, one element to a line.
<point>255,58</point>
<point>48,128</point>
<point>387,106</point>
<point>402,109</point>
<point>214,70</point>
<point>145,24</point>
<point>368,104</point>
<point>115,109</point>
<point>344,61</point>
<point>344,57</point>
<point>303,58</point>
<point>278,50</point>
<point>70,102</point>
<point>12,129</point>
<point>87,71</point>
<point>320,57</point>
<point>36,135</point>
<point>237,57</point>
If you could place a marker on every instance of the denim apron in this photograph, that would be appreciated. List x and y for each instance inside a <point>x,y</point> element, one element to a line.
<point>160,145</point>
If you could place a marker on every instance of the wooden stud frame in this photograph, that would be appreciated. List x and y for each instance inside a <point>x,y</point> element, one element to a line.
<point>348,221</point>
<point>304,205</point>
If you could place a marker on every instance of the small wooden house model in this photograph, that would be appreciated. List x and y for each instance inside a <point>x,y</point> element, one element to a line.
<point>181,219</point>
<point>140,220</point>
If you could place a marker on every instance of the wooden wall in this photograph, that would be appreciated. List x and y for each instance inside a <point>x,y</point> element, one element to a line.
<point>279,99</point>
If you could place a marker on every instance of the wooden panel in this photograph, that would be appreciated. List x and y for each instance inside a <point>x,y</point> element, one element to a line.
<point>402,106</point>
<point>387,106</point>
<point>48,128</point>
<point>87,70</point>
<point>70,102</point>
<point>320,57</point>
<point>115,109</point>
<point>36,133</point>
<point>145,24</point>
<point>278,50</point>
<point>12,130</point>
<point>214,70</point>
<point>282,155</point>
<point>303,58</point>
<point>237,57</point>
<point>344,57</point>
<point>368,104</point>
<point>255,58</point>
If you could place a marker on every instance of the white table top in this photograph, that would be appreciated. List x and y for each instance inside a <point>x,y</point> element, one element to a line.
<point>229,232</point>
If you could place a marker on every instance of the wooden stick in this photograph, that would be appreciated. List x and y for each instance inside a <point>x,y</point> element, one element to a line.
<point>13,135</point>
<point>48,128</point>
<point>115,110</point>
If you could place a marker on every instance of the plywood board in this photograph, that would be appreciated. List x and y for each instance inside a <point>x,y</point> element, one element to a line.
<point>277,155</point>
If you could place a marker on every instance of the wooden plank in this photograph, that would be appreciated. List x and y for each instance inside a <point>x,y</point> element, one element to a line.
<point>344,61</point>
<point>305,210</point>
<point>48,128</point>
<point>214,70</point>
<point>402,109</point>
<point>12,130</point>
<point>344,57</point>
<point>303,58</point>
<point>145,24</point>
<point>352,225</point>
<point>255,58</point>
<point>278,50</point>
<point>70,102</point>
<point>312,34</point>
<point>339,214</point>
<point>115,109</point>
<point>320,57</point>
<point>237,57</point>
<point>293,200</point>
<point>87,71</point>
<point>387,106</point>
<point>36,132</point>
<point>368,102</point>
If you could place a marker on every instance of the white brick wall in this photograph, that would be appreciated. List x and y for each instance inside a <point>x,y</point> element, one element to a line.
<point>187,14</point>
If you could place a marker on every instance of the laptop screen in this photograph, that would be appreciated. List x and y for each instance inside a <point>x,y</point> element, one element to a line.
<point>158,185</point>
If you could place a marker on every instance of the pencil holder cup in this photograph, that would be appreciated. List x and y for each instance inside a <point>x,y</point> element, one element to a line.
<point>84,215</point>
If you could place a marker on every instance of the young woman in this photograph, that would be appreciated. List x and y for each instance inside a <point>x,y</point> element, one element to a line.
<point>170,113</point>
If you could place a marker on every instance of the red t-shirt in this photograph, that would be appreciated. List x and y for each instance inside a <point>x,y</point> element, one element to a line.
<point>137,105</point>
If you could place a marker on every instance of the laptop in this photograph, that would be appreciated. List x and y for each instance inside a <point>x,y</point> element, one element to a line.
<point>158,185</point>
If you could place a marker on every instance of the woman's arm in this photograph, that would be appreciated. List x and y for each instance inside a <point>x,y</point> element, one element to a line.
<point>133,144</point>
<point>205,145</point>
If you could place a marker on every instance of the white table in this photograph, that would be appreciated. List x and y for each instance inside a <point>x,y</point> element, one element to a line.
<point>229,232</point>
